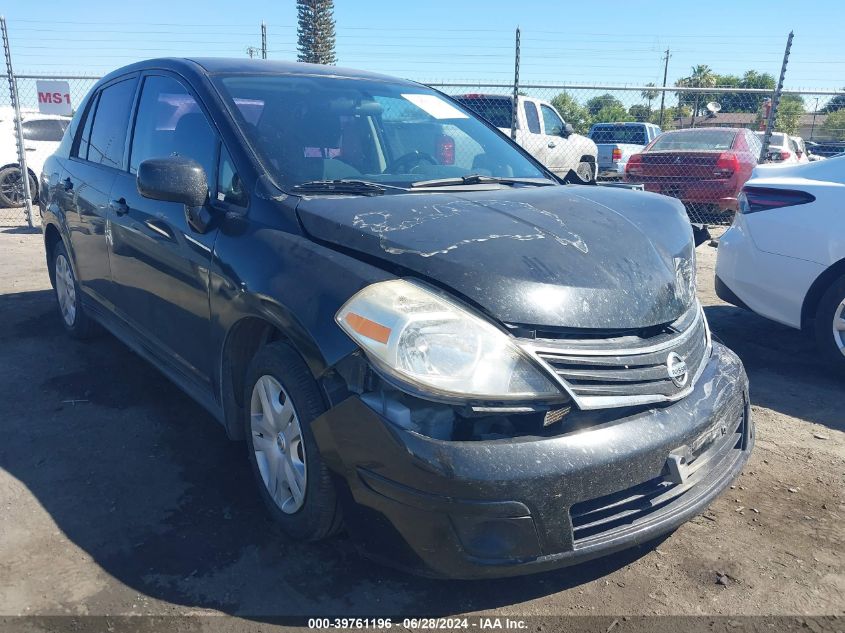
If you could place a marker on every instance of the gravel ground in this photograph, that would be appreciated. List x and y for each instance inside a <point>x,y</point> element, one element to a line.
<point>120,496</point>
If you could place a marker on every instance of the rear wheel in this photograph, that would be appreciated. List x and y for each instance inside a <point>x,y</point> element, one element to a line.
<point>74,318</point>
<point>830,324</point>
<point>281,401</point>
<point>11,187</point>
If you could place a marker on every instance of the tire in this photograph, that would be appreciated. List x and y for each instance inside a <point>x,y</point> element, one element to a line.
<point>830,314</point>
<point>75,320</point>
<point>281,448</point>
<point>11,187</point>
<point>585,171</point>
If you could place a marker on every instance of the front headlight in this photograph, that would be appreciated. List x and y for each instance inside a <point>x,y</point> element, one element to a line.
<point>433,344</point>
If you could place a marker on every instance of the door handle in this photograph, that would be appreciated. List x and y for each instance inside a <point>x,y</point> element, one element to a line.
<point>551,145</point>
<point>29,149</point>
<point>119,206</point>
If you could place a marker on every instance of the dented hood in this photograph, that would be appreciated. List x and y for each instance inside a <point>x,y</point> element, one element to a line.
<point>548,257</point>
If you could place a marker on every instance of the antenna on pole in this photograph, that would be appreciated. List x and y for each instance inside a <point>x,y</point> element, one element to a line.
<point>770,122</point>
<point>515,111</point>
<point>263,40</point>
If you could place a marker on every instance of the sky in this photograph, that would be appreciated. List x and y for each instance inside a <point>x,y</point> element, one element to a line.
<point>439,40</point>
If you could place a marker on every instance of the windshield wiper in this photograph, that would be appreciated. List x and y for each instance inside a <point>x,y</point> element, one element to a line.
<point>345,186</point>
<point>478,179</point>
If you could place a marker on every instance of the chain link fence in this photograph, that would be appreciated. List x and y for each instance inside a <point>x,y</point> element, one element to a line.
<point>41,136</point>
<point>698,145</point>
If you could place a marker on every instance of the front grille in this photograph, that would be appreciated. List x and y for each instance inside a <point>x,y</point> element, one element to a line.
<point>599,518</point>
<point>629,370</point>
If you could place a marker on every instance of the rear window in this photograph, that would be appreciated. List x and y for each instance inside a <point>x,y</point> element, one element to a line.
<point>695,140</point>
<point>632,134</point>
<point>44,129</point>
<point>499,112</point>
<point>777,139</point>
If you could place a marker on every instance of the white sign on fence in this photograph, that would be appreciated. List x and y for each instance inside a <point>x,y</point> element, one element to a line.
<point>54,97</point>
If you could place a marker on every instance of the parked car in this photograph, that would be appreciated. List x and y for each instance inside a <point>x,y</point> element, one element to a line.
<point>703,167</point>
<point>784,257</point>
<point>441,360</point>
<point>826,149</point>
<point>617,142</point>
<point>41,136</point>
<point>783,149</point>
<point>801,149</point>
<point>541,130</point>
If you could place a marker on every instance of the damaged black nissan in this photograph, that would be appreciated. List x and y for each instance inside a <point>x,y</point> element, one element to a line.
<point>424,337</point>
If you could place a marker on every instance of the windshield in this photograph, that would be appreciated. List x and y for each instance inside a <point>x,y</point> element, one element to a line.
<point>307,128</point>
<point>694,140</point>
<point>633,134</point>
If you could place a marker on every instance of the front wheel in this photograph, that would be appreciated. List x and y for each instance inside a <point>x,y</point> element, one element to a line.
<point>585,171</point>
<point>830,324</point>
<point>281,401</point>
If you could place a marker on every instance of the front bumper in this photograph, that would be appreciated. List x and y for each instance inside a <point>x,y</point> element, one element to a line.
<point>528,504</point>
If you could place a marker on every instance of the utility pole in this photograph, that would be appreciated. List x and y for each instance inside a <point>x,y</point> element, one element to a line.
<point>663,94</point>
<point>770,123</point>
<point>13,92</point>
<point>515,112</point>
<point>263,40</point>
<point>815,110</point>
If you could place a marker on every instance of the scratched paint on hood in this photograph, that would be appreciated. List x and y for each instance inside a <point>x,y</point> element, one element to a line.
<point>570,257</point>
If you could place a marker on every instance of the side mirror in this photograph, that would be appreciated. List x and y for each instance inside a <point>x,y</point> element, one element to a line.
<point>177,179</point>
<point>567,130</point>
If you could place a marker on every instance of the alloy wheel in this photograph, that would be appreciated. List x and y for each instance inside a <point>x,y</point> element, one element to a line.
<point>278,446</point>
<point>65,290</point>
<point>839,326</point>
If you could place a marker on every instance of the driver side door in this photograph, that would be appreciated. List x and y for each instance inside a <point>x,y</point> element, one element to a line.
<point>160,264</point>
<point>560,156</point>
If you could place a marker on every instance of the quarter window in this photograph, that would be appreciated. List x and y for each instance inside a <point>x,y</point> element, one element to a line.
<point>108,133</point>
<point>532,117</point>
<point>171,123</point>
<point>229,186</point>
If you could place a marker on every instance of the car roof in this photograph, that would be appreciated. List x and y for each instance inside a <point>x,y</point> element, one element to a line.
<point>234,65</point>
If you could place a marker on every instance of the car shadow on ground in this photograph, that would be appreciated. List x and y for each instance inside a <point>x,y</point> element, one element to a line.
<point>794,380</point>
<point>143,480</point>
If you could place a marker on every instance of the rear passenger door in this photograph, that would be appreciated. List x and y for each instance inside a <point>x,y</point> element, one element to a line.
<point>159,263</point>
<point>96,157</point>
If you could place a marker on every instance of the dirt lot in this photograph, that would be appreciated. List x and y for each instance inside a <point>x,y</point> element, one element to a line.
<point>119,495</point>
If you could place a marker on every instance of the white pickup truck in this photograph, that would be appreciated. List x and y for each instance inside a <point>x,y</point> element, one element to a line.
<point>539,129</point>
<point>617,142</point>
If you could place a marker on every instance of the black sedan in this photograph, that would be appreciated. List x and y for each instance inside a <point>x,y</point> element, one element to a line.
<point>422,335</point>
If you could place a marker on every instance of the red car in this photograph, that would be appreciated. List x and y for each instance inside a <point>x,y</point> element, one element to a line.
<point>704,167</point>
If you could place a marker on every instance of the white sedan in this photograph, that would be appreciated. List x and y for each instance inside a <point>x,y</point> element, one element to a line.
<point>42,134</point>
<point>784,256</point>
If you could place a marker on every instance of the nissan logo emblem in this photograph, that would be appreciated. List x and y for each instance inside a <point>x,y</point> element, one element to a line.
<point>676,367</point>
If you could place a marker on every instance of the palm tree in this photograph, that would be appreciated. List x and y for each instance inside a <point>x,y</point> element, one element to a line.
<point>650,95</point>
<point>702,76</point>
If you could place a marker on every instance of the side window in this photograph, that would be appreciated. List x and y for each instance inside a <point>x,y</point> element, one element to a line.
<point>532,117</point>
<point>171,123</point>
<point>551,121</point>
<point>229,187</point>
<point>85,136</point>
<point>108,133</point>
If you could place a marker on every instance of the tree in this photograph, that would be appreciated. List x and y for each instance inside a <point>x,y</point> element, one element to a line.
<point>788,118</point>
<point>702,76</point>
<point>640,112</point>
<point>572,112</point>
<point>602,101</point>
<point>834,125</point>
<point>649,95</point>
<point>316,31</point>
<point>835,104</point>
<point>611,112</point>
